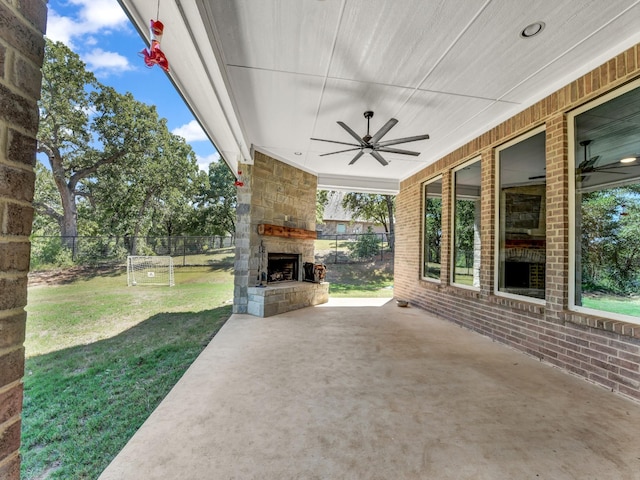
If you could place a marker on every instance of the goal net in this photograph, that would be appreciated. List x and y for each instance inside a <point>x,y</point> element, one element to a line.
<point>149,271</point>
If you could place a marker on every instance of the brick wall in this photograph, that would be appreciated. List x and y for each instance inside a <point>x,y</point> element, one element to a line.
<point>603,351</point>
<point>21,53</point>
<point>278,194</point>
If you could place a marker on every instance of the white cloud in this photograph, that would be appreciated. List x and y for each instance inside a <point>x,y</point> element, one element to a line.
<point>101,14</point>
<point>204,162</point>
<point>100,61</point>
<point>60,29</point>
<point>191,132</point>
<point>93,16</point>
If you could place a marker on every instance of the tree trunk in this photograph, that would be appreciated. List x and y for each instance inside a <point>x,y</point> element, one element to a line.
<point>136,230</point>
<point>391,235</point>
<point>69,222</point>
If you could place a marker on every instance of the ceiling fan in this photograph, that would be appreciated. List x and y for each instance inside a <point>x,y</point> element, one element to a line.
<point>590,165</point>
<point>372,144</point>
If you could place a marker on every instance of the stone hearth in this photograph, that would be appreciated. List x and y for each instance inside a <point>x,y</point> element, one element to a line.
<point>286,296</point>
<point>275,215</point>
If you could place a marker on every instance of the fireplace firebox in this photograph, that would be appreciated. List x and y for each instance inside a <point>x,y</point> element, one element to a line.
<point>283,267</point>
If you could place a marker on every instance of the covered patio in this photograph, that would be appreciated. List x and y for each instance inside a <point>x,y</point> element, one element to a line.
<point>364,389</point>
<point>337,391</point>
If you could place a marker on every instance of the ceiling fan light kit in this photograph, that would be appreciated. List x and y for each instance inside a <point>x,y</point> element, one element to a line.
<point>373,144</point>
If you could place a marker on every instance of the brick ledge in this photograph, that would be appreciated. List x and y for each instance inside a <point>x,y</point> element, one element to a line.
<point>620,327</point>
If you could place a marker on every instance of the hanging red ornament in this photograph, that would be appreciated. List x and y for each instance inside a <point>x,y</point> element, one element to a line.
<point>239,182</point>
<point>153,55</point>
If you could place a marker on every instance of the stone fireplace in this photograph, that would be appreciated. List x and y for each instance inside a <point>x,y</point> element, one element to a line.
<point>275,232</point>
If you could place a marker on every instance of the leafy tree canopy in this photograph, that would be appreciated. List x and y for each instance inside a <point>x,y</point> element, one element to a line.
<point>114,164</point>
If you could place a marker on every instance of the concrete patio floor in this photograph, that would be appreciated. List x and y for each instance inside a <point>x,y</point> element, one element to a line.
<point>378,392</point>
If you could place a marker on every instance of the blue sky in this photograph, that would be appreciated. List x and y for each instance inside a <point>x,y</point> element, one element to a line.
<point>100,32</point>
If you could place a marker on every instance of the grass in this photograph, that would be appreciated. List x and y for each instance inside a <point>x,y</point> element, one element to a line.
<point>613,304</point>
<point>220,256</point>
<point>101,355</point>
<point>100,358</point>
<point>372,279</point>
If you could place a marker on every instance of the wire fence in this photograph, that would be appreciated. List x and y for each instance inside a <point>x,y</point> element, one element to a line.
<point>55,251</point>
<point>354,248</point>
<point>52,251</point>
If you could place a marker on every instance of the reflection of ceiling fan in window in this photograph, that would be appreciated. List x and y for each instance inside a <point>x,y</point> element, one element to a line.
<point>590,165</point>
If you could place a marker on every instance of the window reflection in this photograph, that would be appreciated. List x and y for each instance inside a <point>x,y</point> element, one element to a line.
<point>607,206</point>
<point>522,210</point>
<point>466,225</point>
<point>432,229</point>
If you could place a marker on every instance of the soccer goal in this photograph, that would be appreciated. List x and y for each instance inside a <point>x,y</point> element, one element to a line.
<point>149,271</point>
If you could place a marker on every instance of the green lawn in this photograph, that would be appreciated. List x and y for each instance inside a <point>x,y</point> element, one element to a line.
<point>373,279</point>
<point>101,356</point>
<point>613,304</point>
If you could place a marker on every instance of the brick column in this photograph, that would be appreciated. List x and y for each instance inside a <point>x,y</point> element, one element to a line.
<point>557,274</point>
<point>487,224</point>
<point>22,23</point>
<point>446,225</point>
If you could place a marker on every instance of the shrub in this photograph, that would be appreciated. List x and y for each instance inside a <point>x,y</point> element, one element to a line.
<point>48,252</point>
<point>366,245</point>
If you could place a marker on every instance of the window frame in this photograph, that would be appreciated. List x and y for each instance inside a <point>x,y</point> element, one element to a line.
<point>423,227</point>
<point>571,165</point>
<point>477,159</point>
<point>497,221</point>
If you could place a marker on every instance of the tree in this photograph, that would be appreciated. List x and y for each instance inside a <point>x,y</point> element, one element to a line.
<point>322,199</point>
<point>433,230</point>
<point>610,226</point>
<point>217,202</point>
<point>465,232</point>
<point>375,208</point>
<point>131,196</point>
<point>104,148</point>
<point>46,200</point>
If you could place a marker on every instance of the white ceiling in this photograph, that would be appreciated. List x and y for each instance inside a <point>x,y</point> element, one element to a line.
<point>271,74</point>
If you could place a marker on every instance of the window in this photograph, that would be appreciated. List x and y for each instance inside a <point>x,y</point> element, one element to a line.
<point>341,228</point>
<point>466,225</point>
<point>521,217</point>
<point>432,229</point>
<point>605,161</point>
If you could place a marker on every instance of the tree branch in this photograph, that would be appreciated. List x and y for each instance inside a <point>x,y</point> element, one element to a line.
<point>44,209</point>
<point>85,172</point>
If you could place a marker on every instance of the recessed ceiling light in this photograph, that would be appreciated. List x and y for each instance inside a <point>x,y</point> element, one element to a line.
<point>297,153</point>
<point>532,30</point>
<point>628,160</point>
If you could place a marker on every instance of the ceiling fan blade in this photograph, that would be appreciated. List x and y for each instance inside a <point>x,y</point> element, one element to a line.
<point>355,159</point>
<point>334,141</point>
<point>379,157</point>
<point>605,170</point>
<point>537,177</point>
<point>403,140</point>
<point>589,164</point>
<point>613,166</point>
<point>351,132</point>
<point>383,131</point>
<point>397,150</point>
<point>340,151</point>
